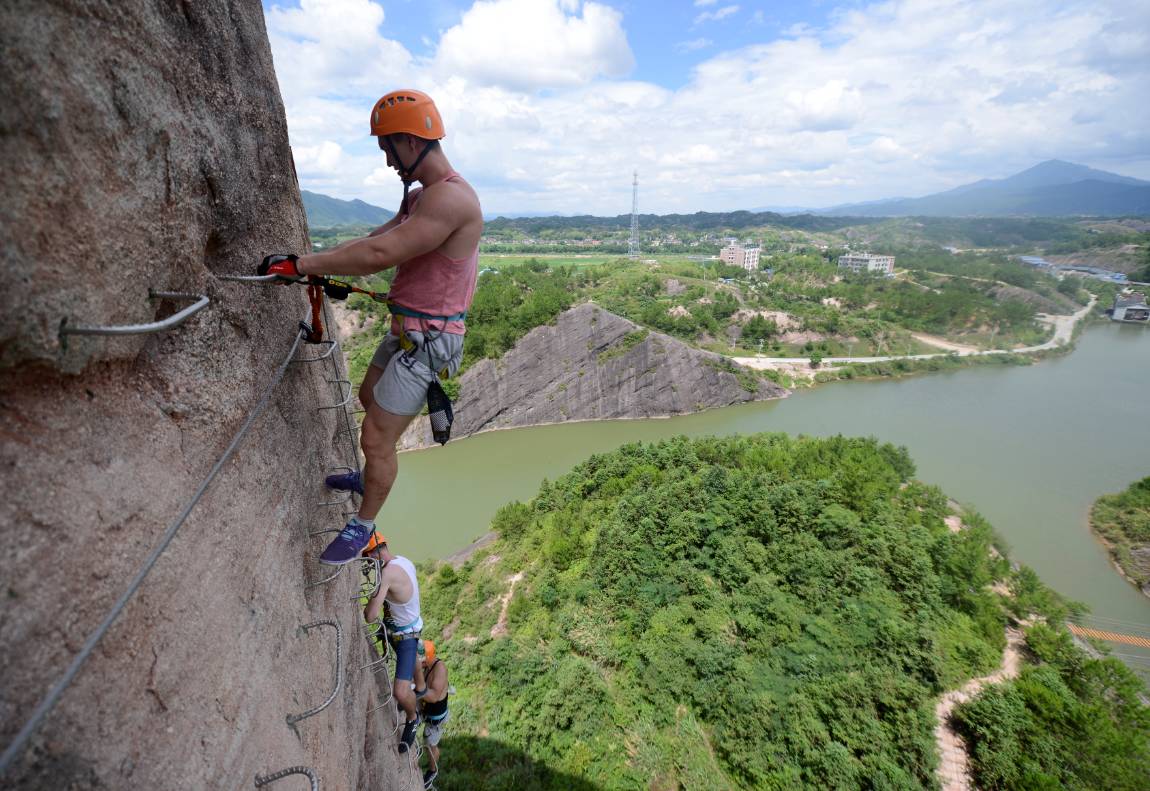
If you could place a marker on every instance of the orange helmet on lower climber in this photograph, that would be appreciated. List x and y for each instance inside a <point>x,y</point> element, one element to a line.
<point>375,542</point>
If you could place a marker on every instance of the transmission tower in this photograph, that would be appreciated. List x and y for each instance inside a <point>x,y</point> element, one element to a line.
<point>633,245</point>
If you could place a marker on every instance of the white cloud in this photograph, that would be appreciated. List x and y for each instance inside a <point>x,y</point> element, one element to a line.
<point>319,160</point>
<point>902,98</point>
<point>832,105</point>
<point>693,45</point>
<point>333,48</point>
<point>701,3</point>
<point>717,14</point>
<point>531,44</point>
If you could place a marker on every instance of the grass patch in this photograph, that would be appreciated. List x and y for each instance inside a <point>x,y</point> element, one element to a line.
<point>629,341</point>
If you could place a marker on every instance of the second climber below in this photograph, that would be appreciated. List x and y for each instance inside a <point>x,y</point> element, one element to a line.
<point>433,242</point>
<point>399,591</point>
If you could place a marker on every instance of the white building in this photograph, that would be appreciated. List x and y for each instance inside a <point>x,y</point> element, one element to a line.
<point>868,262</point>
<point>737,255</point>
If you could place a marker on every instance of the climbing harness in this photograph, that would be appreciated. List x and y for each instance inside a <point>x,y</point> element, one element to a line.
<point>439,408</point>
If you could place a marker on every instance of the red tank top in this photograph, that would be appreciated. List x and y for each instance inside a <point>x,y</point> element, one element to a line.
<point>432,283</point>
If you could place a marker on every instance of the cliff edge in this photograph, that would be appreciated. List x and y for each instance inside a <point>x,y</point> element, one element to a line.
<point>146,149</point>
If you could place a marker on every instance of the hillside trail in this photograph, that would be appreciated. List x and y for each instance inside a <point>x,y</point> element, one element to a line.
<point>954,761</point>
<point>500,627</point>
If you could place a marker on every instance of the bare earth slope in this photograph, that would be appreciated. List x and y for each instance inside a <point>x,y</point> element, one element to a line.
<point>594,365</point>
<point>145,147</point>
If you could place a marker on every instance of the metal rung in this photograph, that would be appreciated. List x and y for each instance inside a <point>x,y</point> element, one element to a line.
<point>176,319</point>
<point>344,501</point>
<point>292,719</point>
<point>331,347</point>
<point>326,580</point>
<point>345,401</point>
<point>390,698</point>
<point>326,530</point>
<point>263,780</point>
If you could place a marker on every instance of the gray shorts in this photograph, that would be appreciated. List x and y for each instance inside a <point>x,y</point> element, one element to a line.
<point>402,388</point>
<point>433,731</point>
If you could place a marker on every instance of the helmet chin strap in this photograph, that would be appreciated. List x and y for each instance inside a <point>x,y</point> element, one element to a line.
<point>407,173</point>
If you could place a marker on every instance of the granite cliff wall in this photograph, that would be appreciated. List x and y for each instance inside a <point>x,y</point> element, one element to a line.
<point>145,147</point>
<point>594,365</point>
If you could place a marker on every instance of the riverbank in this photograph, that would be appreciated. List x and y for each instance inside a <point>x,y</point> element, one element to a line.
<point>1121,523</point>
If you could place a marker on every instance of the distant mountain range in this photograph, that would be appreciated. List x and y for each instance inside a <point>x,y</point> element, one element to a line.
<point>324,211</point>
<point>1049,189</point>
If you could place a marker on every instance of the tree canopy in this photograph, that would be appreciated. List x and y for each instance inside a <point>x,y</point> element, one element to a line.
<point>763,611</point>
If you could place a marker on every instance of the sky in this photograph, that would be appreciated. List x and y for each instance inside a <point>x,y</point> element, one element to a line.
<point>551,105</point>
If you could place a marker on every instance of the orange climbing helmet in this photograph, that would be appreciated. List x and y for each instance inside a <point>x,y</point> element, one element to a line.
<point>407,112</point>
<point>375,542</point>
<point>428,652</point>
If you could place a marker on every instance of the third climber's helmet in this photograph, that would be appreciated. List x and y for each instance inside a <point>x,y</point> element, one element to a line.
<point>407,112</point>
<point>373,543</point>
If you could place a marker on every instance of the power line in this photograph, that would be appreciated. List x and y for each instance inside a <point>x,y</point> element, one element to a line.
<point>633,244</point>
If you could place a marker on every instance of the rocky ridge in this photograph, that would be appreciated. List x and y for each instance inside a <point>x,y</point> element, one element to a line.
<point>594,365</point>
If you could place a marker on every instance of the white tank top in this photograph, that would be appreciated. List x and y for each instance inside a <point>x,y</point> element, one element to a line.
<point>406,615</point>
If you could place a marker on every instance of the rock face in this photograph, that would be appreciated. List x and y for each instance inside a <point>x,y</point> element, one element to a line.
<point>594,365</point>
<point>145,147</point>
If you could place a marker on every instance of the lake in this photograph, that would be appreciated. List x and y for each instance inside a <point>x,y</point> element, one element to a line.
<point>1029,447</point>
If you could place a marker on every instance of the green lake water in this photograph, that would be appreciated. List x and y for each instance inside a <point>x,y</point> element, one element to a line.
<point>1028,447</point>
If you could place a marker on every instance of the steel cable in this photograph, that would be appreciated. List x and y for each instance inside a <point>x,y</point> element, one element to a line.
<point>13,750</point>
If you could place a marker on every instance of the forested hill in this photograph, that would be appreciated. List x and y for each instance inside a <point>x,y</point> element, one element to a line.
<point>699,221</point>
<point>750,612</point>
<point>324,211</point>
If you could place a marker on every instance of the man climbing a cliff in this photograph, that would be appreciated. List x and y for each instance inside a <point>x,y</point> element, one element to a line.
<point>399,591</point>
<point>435,712</point>
<point>433,242</point>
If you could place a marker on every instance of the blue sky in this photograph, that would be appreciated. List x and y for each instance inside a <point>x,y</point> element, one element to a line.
<point>550,104</point>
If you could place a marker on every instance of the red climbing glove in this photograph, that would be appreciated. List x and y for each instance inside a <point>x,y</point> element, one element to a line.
<point>280,264</point>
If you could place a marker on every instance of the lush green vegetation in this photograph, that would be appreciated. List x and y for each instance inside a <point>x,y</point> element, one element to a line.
<point>799,304</point>
<point>729,310</point>
<point>722,613</point>
<point>1123,520</point>
<point>1068,723</point>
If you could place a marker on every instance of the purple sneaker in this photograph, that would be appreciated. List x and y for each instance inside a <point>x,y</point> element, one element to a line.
<point>347,545</point>
<point>348,481</point>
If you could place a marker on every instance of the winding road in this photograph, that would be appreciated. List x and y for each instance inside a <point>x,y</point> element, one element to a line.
<point>1063,331</point>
